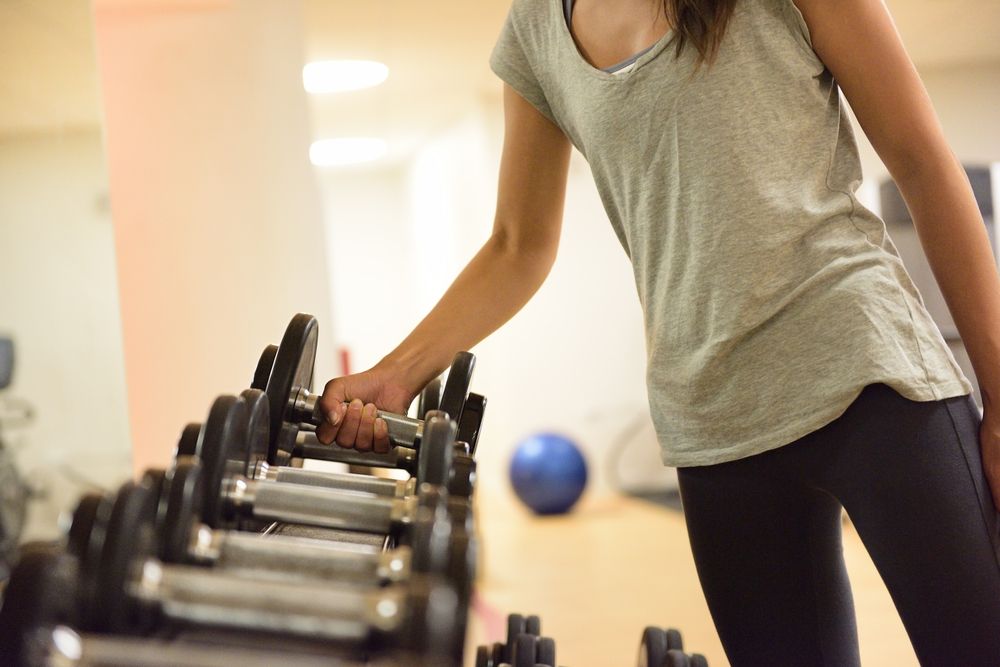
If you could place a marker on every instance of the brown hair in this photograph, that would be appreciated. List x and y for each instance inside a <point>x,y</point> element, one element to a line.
<point>701,23</point>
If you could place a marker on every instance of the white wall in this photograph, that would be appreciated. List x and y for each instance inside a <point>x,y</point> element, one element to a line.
<point>218,225</point>
<point>59,301</point>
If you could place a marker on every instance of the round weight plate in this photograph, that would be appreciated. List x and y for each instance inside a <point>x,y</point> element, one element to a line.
<point>293,369</point>
<point>483,657</point>
<point>524,651</point>
<point>183,509</point>
<point>264,366</point>
<point>698,660</point>
<point>38,596</point>
<point>258,427</point>
<point>130,536</point>
<point>674,640</point>
<point>456,387</point>
<point>90,561</point>
<point>545,652</point>
<point>515,627</point>
<point>472,421</point>
<point>497,653</point>
<point>430,398</point>
<point>676,658</point>
<point>223,454</point>
<point>436,450</point>
<point>533,625</point>
<point>652,647</point>
<point>83,523</point>
<point>188,444</point>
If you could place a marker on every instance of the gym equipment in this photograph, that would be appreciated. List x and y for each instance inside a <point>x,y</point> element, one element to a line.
<point>188,443</point>
<point>665,648</point>
<point>430,398</point>
<point>231,497</point>
<point>137,593</point>
<point>6,362</point>
<point>548,473</point>
<point>289,390</point>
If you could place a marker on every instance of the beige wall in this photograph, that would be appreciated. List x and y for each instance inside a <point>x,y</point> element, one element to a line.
<point>217,216</point>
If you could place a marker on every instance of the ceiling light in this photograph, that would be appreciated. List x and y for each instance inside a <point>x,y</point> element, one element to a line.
<point>337,76</point>
<point>346,151</point>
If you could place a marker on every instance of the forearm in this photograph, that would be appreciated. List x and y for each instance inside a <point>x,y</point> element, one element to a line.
<point>491,289</point>
<point>954,238</point>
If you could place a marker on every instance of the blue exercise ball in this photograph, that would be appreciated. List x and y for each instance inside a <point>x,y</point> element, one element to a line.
<point>548,473</point>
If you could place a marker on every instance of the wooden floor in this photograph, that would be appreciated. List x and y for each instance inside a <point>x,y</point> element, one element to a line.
<point>597,577</point>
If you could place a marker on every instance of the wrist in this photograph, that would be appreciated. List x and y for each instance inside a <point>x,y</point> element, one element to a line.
<point>404,370</point>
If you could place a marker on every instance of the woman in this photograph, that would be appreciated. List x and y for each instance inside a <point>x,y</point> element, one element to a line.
<point>792,366</point>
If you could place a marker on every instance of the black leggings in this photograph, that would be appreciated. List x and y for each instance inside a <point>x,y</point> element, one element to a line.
<point>765,532</point>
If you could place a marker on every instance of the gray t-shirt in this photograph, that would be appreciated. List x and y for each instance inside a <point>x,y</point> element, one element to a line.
<point>771,296</point>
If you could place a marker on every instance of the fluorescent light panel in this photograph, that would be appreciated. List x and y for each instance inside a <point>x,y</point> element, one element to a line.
<point>337,76</point>
<point>345,151</point>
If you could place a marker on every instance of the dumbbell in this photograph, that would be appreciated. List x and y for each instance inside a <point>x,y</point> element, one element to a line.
<point>524,646</point>
<point>183,539</point>
<point>231,497</point>
<point>460,482</point>
<point>293,404</point>
<point>661,647</point>
<point>136,593</point>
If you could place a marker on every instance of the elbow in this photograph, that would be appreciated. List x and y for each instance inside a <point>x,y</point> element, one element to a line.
<point>531,253</point>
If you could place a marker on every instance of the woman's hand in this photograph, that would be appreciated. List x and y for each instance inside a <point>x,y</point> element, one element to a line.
<point>349,404</point>
<point>989,443</point>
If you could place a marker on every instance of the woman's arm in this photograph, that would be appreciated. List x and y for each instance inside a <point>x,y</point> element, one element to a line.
<point>858,42</point>
<point>492,288</point>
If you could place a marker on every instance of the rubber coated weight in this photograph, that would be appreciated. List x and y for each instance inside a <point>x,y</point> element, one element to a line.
<point>184,501</point>
<point>533,625</point>
<point>472,421</point>
<point>515,627</point>
<point>262,373</point>
<point>698,660</point>
<point>652,647</point>
<point>82,523</point>
<point>188,444</point>
<point>258,428</point>
<point>130,536</point>
<point>430,398</point>
<point>524,651</point>
<point>545,652</point>
<point>293,369</point>
<point>223,452</point>
<point>90,558</point>
<point>674,640</point>
<point>456,387</point>
<point>436,449</point>
<point>483,657</point>
<point>676,658</point>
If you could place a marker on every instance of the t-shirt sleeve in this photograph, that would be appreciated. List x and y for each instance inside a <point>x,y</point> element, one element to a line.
<point>510,61</point>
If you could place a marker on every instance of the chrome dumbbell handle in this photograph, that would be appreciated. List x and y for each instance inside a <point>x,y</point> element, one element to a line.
<point>332,480</point>
<point>308,446</point>
<point>402,429</point>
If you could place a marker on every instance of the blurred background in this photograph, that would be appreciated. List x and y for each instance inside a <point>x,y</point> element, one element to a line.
<point>171,193</point>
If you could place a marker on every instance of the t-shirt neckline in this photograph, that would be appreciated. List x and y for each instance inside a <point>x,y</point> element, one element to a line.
<point>585,65</point>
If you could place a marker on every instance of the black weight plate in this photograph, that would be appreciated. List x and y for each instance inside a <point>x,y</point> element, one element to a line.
<point>83,523</point>
<point>698,660</point>
<point>533,625</point>
<point>258,427</point>
<point>188,444</point>
<point>38,596</point>
<point>436,450</point>
<point>293,369</point>
<point>545,653</point>
<point>652,647</point>
<point>483,657</point>
<point>515,627</point>
<point>223,454</point>
<point>472,421</point>
<point>674,640</point>
<point>430,398</point>
<point>90,561</point>
<point>524,651</point>
<point>497,653</point>
<point>676,658</point>
<point>130,536</point>
<point>185,496</point>
<point>264,366</point>
<point>456,387</point>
